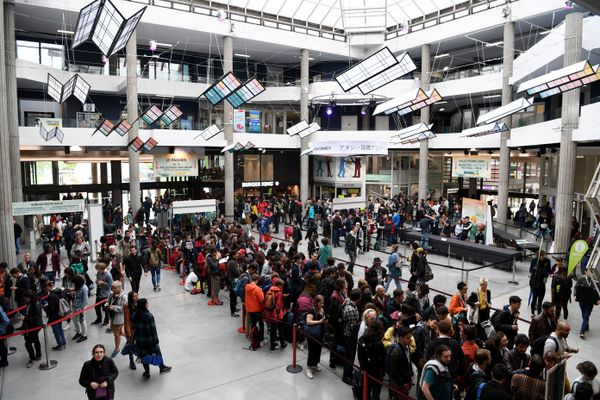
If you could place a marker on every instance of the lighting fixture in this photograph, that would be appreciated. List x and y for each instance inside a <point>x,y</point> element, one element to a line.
<point>102,22</point>
<point>76,86</point>
<point>329,111</point>
<point>75,148</point>
<point>222,88</point>
<point>364,109</point>
<point>446,68</point>
<point>505,111</point>
<point>151,115</point>
<point>441,55</point>
<point>210,132</point>
<point>569,5</point>
<point>105,128</point>
<point>171,115</point>
<point>149,145</point>
<point>136,144</point>
<point>122,127</point>
<point>104,59</point>
<point>442,109</point>
<point>242,55</point>
<point>563,79</point>
<point>295,129</point>
<point>221,15</point>
<point>366,69</point>
<point>404,66</point>
<point>246,92</point>
<point>495,44</point>
<point>65,32</point>
<point>484,130</point>
<point>153,45</point>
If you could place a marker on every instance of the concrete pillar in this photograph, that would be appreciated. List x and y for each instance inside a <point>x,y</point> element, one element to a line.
<point>228,122</point>
<point>304,115</point>
<point>568,148</point>
<point>115,181</point>
<point>12,103</point>
<point>132,115</point>
<point>424,145</point>
<point>507,71</point>
<point>7,241</point>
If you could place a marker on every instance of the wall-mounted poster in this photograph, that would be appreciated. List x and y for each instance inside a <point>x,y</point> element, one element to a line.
<point>239,121</point>
<point>472,167</point>
<point>254,121</point>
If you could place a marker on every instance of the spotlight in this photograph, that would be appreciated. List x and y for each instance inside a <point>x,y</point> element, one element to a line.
<point>329,110</point>
<point>153,45</point>
<point>569,5</point>
<point>363,110</point>
<point>221,15</point>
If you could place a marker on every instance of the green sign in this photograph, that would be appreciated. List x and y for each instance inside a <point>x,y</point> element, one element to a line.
<point>578,250</point>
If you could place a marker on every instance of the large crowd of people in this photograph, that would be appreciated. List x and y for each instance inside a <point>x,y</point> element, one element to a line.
<point>437,347</point>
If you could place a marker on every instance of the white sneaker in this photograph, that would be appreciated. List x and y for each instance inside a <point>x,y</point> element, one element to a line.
<point>309,373</point>
<point>67,327</point>
<point>316,369</point>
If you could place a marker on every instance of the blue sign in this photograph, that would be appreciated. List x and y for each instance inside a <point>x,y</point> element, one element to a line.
<point>254,121</point>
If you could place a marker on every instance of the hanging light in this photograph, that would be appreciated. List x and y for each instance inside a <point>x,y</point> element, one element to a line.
<point>363,110</point>
<point>330,107</point>
<point>153,45</point>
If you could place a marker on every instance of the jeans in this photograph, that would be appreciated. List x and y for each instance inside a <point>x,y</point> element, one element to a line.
<point>336,237</point>
<point>80,324</point>
<point>352,255</point>
<point>586,311</point>
<point>396,281</point>
<point>350,344</point>
<point>155,272</point>
<point>32,344</point>
<point>59,334</point>
<point>426,240</point>
<point>537,298</point>
<point>50,275</point>
<point>17,245</point>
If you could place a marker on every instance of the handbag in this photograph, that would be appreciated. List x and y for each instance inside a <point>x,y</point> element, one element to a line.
<point>473,315</point>
<point>129,348</point>
<point>101,393</point>
<point>313,330</point>
<point>153,359</point>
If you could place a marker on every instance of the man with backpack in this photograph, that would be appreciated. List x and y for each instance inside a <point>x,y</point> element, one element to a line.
<point>506,320</point>
<point>53,311</point>
<point>556,342</point>
<point>436,380</point>
<point>274,311</point>
<point>153,263</point>
<point>350,324</point>
<point>398,363</point>
<point>587,297</point>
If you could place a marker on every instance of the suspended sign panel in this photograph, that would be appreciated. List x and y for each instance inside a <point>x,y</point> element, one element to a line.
<point>472,167</point>
<point>180,163</point>
<point>354,148</point>
<point>48,207</point>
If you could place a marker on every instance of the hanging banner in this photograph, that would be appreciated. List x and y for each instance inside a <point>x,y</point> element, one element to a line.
<point>472,167</point>
<point>349,148</point>
<point>339,169</point>
<point>180,163</point>
<point>239,121</point>
<point>254,121</point>
<point>478,212</point>
<point>48,207</point>
<point>576,253</point>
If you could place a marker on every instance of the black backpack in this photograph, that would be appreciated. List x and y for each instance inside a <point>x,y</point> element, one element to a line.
<point>538,345</point>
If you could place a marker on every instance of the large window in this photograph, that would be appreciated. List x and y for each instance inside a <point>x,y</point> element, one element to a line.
<point>47,54</point>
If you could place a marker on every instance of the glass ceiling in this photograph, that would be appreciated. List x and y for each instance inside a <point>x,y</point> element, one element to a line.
<point>348,15</point>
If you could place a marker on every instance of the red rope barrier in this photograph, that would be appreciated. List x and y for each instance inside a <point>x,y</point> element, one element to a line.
<point>11,312</point>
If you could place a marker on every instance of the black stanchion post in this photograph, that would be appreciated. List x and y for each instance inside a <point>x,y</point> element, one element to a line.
<point>294,368</point>
<point>49,364</point>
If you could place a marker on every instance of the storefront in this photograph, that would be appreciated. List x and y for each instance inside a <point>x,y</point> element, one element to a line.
<point>267,173</point>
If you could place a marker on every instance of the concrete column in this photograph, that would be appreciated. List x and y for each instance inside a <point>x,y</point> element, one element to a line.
<point>228,122</point>
<point>568,148</point>
<point>7,241</point>
<point>132,115</point>
<point>424,145</point>
<point>507,71</point>
<point>11,103</point>
<point>116,180</point>
<point>304,115</point>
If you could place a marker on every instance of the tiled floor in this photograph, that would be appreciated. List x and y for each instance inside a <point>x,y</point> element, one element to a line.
<point>208,355</point>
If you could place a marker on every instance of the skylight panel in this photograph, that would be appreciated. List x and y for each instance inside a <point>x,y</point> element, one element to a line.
<point>367,68</point>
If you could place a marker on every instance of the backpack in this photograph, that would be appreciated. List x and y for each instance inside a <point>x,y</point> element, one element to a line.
<point>239,286</point>
<point>538,345</point>
<point>254,338</point>
<point>428,272</point>
<point>153,259</point>
<point>388,351</point>
<point>270,301</point>
<point>63,307</point>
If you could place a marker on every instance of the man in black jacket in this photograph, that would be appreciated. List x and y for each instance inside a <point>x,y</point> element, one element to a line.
<point>134,267</point>
<point>496,388</point>
<point>506,320</point>
<point>400,365</point>
<point>457,363</point>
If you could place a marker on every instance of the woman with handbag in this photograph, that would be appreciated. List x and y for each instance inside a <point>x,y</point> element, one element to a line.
<point>129,310</point>
<point>314,330</point>
<point>146,338</point>
<point>480,302</point>
<point>98,375</point>
<point>458,303</point>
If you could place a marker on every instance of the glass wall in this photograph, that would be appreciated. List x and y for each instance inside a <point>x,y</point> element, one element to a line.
<point>50,55</point>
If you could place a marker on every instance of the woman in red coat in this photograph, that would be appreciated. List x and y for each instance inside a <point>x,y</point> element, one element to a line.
<point>274,312</point>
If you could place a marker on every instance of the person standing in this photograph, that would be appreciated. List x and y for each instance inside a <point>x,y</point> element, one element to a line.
<point>539,271</point>
<point>154,263</point>
<point>212,265</point>
<point>134,268</point>
<point>587,297</point>
<point>146,337</point>
<point>324,253</point>
<point>82,246</point>
<point>52,309</point>
<point>116,310</point>
<point>18,232</point>
<point>350,324</point>
<point>506,320</point>
<point>255,304</point>
<point>49,262</point>
<point>79,303</point>
<point>351,247</point>
<point>104,283</point>
<point>561,289</point>
<point>98,375</point>
<point>276,314</point>
<point>128,311</point>
<point>481,301</point>
<point>400,363</point>
<point>436,381</point>
<point>315,321</point>
<point>544,323</point>
<point>394,271</point>
<point>32,319</point>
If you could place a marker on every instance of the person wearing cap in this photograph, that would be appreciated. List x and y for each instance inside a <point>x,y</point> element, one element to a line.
<point>376,274</point>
